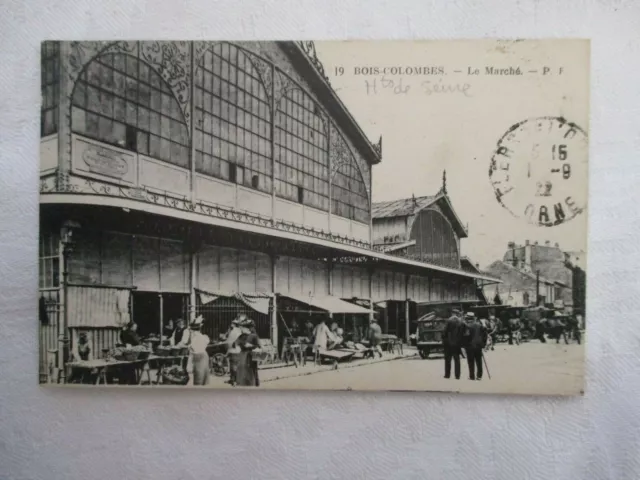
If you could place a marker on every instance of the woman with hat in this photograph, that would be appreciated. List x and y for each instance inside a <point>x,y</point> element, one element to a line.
<point>198,343</point>
<point>248,342</point>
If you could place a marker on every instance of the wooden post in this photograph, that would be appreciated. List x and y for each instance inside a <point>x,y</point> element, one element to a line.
<point>274,299</point>
<point>63,339</point>
<point>371,310</point>
<point>192,124</point>
<point>407,323</point>
<point>161,314</point>
<point>330,275</point>
<point>193,265</point>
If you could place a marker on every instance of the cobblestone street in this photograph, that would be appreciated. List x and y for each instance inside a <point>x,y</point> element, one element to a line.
<point>530,368</point>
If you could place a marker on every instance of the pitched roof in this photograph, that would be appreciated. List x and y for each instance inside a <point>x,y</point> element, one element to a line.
<point>402,207</point>
<point>522,272</point>
<point>405,207</point>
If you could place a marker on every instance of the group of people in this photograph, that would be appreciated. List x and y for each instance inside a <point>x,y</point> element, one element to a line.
<point>242,342</point>
<point>469,334</point>
<point>326,338</point>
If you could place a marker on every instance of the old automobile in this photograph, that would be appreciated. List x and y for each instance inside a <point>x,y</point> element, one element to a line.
<point>429,334</point>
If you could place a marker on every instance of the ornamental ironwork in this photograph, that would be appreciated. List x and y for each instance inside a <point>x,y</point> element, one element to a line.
<point>83,186</point>
<point>309,48</point>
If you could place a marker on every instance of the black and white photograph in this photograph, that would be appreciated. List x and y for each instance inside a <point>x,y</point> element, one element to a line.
<point>299,215</point>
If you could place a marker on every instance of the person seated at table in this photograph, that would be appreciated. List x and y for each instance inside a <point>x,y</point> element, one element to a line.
<point>168,329</point>
<point>82,349</point>
<point>129,335</point>
<point>180,334</point>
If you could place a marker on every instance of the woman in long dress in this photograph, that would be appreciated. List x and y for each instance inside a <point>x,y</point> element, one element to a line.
<point>320,339</point>
<point>198,343</point>
<point>248,342</point>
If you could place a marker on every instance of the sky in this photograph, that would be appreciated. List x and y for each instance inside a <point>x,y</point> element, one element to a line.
<point>442,119</point>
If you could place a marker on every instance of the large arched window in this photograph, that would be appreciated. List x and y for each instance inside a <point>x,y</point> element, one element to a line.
<point>301,157</point>
<point>232,119</point>
<point>120,100</point>
<point>349,197</point>
<point>435,239</point>
<point>49,87</point>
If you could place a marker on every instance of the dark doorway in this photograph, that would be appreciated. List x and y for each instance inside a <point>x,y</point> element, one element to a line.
<point>150,309</point>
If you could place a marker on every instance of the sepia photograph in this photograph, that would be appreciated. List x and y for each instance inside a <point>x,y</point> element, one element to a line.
<point>299,215</point>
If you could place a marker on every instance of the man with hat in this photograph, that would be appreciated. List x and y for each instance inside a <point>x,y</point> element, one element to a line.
<point>475,343</point>
<point>452,337</point>
<point>232,349</point>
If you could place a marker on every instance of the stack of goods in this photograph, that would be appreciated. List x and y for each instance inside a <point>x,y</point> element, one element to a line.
<point>139,352</point>
<point>175,376</point>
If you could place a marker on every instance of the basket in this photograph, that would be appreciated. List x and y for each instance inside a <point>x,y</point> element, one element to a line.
<point>131,356</point>
<point>143,355</point>
<point>163,351</point>
<point>175,376</point>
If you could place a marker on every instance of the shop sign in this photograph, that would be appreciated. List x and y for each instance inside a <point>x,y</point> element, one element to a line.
<point>103,161</point>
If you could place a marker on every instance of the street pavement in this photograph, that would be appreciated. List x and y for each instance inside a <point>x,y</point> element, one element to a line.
<point>529,368</point>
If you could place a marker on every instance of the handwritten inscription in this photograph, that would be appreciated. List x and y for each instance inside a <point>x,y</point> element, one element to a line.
<point>105,162</point>
<point>401,86</point>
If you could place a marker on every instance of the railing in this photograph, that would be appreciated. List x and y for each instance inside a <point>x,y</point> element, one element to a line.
<point>183,204</point>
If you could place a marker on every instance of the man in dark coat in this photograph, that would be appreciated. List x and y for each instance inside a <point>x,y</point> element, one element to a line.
<point>452,342</point>
<point>475,343</point>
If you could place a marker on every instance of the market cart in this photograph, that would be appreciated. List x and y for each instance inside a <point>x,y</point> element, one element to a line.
<point>338,355</point>
<point>218,360</point>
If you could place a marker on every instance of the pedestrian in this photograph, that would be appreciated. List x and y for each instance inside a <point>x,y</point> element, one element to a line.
<point>320,340</point>
<point>560,330</point>
<point>197,344</point>
<point>232,349</point>
<point>514,330</point>
<point>574,327</point>
<point>375,336</point>
<point>248,342</point>
<point>475,342</point>
<point>492,332</point>
<point>452,337</point>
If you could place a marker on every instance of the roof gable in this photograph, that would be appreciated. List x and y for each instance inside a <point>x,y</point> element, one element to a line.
<point>406,207</point>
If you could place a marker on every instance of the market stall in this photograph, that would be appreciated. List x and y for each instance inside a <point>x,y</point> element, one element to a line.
<point>300,315</point>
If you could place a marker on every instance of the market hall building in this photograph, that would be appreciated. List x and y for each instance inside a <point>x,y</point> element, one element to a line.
<point>211,177</point>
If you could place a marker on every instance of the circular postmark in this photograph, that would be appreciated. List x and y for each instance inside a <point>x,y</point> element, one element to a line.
<point>539,170</point>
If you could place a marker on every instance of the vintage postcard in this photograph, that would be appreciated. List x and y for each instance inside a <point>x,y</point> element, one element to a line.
<point>347,215</point>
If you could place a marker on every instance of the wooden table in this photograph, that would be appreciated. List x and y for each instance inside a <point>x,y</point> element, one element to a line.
<point>103,365</point>
<point>142,366</point>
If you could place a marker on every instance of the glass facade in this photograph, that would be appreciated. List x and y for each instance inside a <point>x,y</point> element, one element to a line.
<point>120,100</point>
<point>49,87</point>
<point>232,119</point>
<point>49,260</point>
<point>301,159</point>
<point>240,134</point>
<point>349,197</point>
<point>435,240</point>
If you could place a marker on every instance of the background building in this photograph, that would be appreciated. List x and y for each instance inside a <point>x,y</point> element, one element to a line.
<point>212,177</point>
<point>523,266</point>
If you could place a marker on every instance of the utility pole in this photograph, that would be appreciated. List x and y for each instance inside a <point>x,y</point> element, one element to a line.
<point>538,287</point>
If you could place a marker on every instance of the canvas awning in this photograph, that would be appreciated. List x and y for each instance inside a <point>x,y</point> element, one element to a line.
<point>98,306</point>
<point>329,303</point>
<point>259,302</point>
